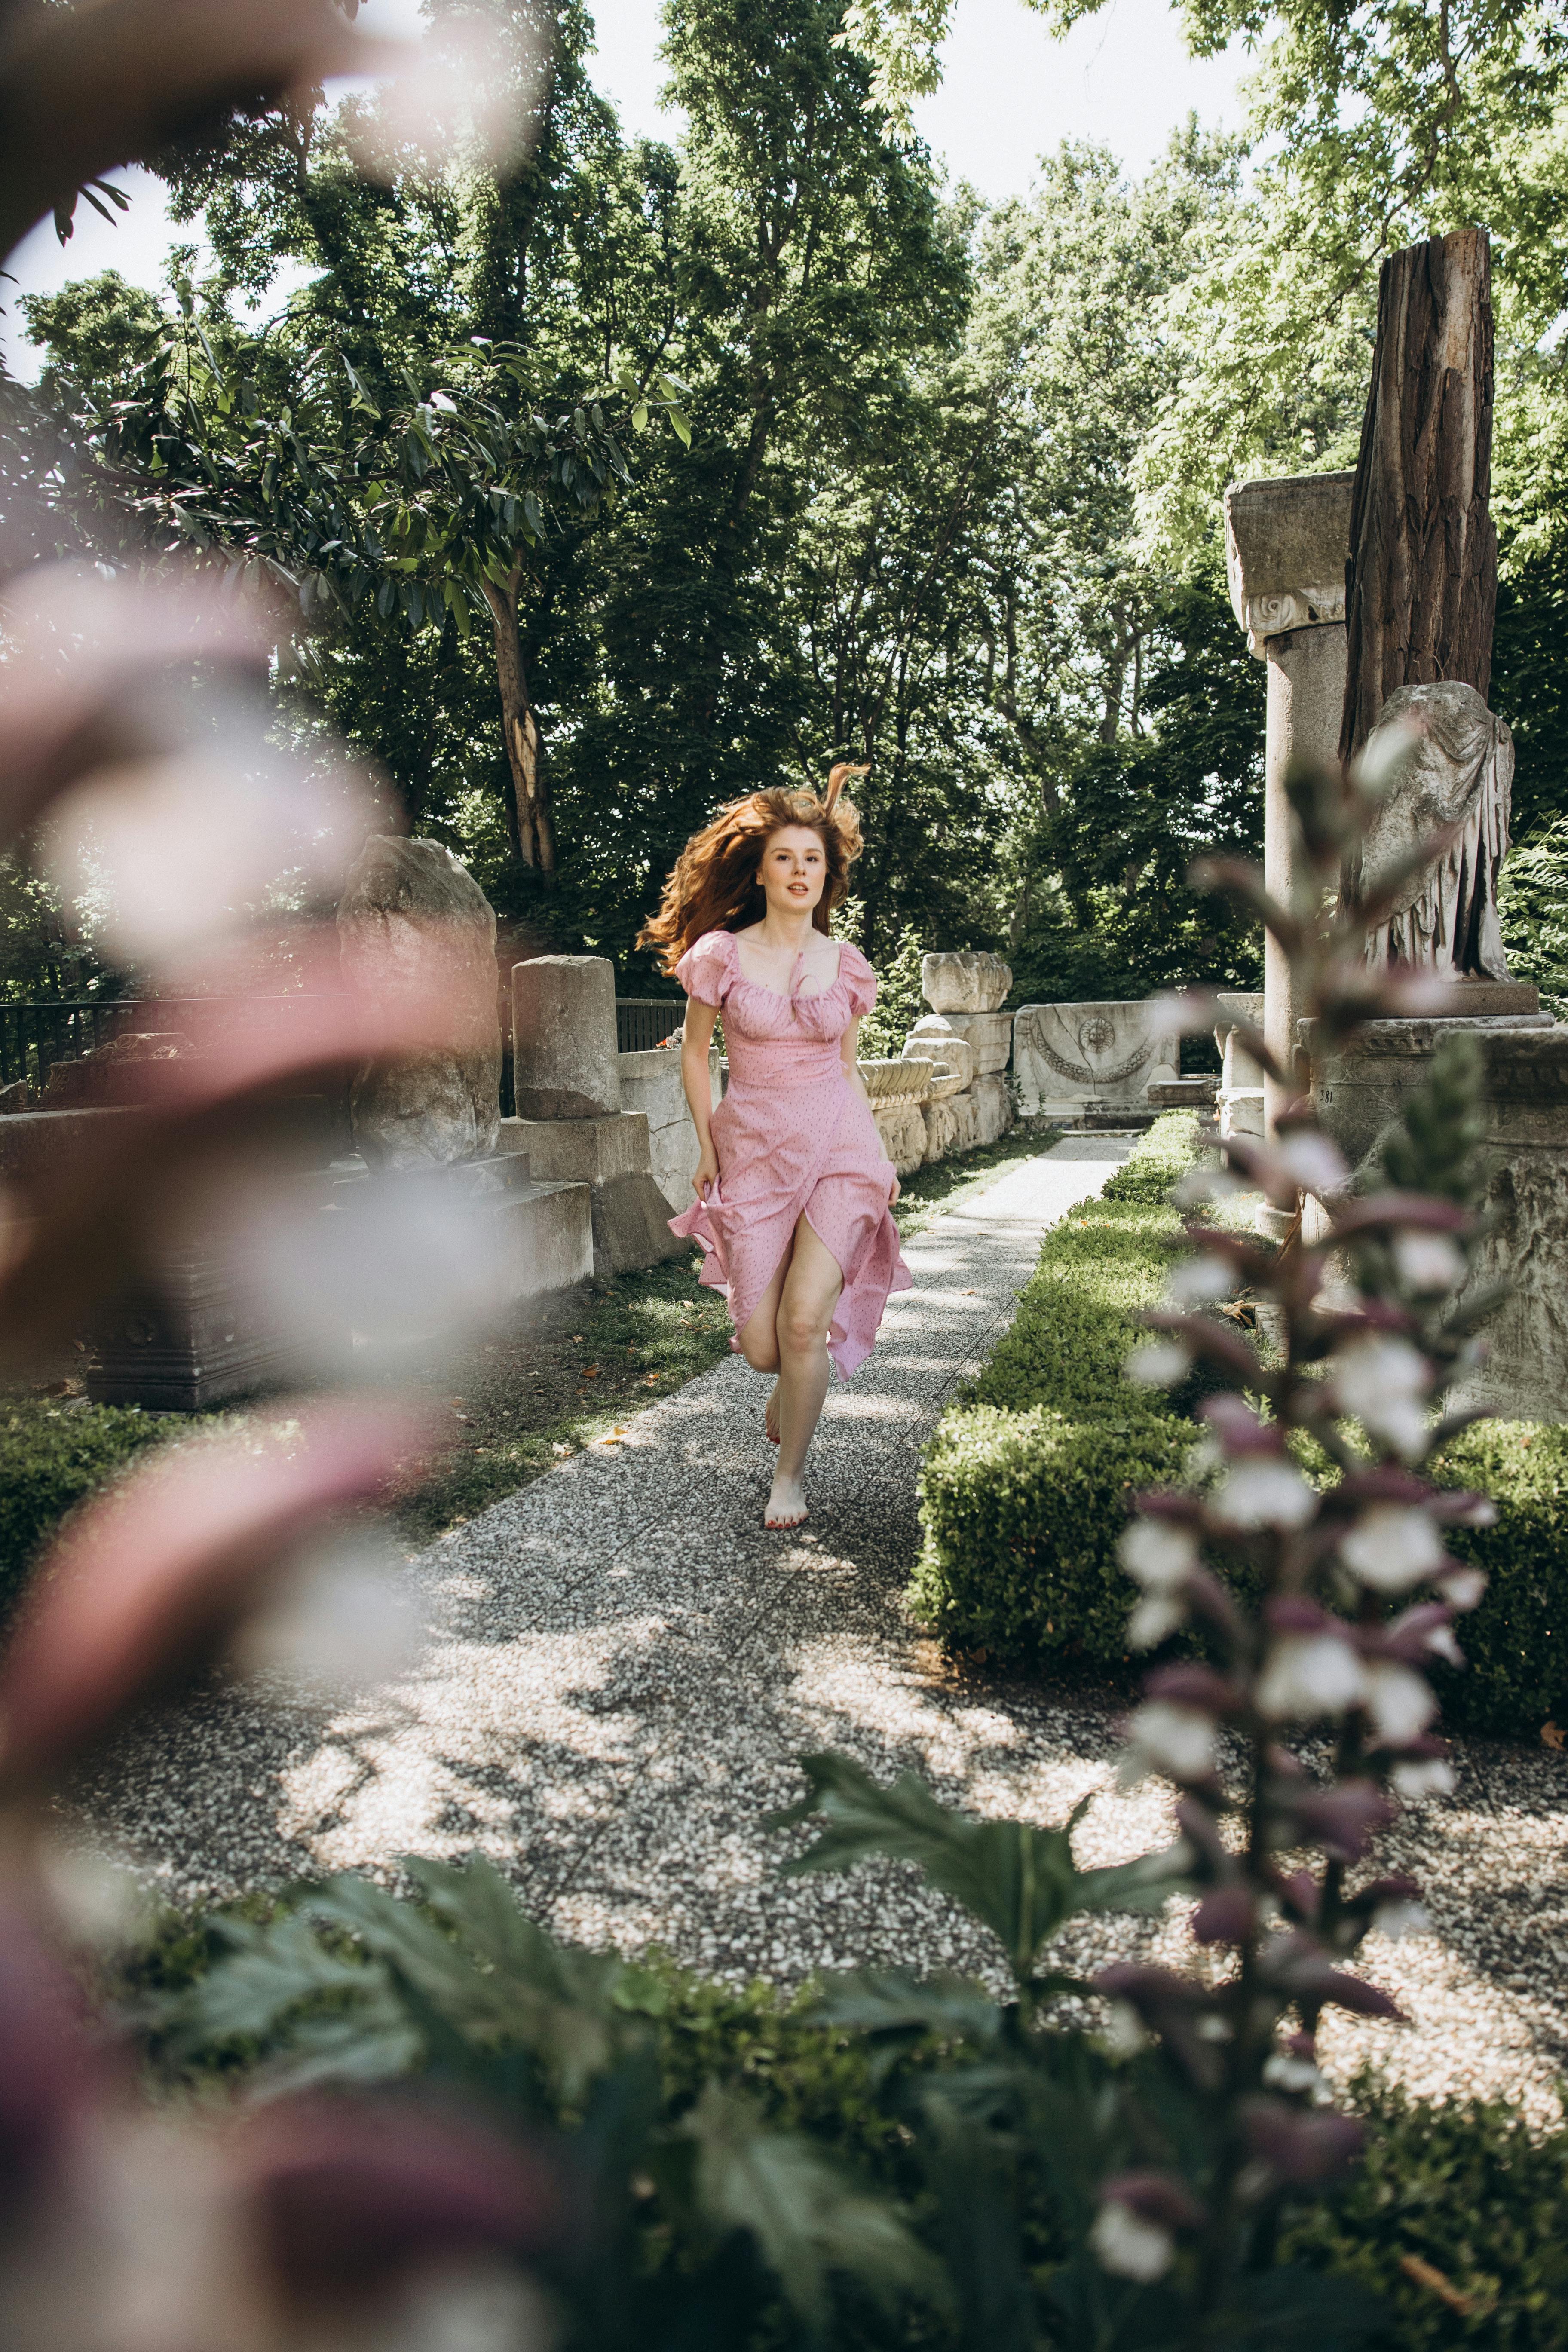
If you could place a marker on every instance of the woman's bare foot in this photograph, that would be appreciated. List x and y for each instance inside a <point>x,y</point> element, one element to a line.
<point>771,1415</point>
<point>787,1503</point>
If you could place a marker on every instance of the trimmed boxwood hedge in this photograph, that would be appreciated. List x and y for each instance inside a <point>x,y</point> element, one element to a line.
<point>1024,1485</point>
<point>1024,1489</point>
<point>1516,1642</point>
<point>51,1456</point>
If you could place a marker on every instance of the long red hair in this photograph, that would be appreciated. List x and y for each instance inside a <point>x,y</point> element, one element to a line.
<point>715,884</point>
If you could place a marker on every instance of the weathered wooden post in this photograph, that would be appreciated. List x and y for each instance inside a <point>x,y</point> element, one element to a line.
<point>1421,581</point>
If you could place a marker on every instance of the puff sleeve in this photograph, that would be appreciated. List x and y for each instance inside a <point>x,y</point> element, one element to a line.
<point>860,980</point>
<point>707,970</point>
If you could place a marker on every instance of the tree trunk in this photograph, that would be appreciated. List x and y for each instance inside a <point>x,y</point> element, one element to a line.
<point>1421,581</point>
<point>529,822</point>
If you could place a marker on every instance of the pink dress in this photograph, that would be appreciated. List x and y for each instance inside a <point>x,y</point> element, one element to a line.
<point>793,1134</point>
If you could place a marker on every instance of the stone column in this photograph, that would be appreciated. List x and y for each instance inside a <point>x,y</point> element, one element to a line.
<point>1286,541</point>
<point>564,1059</point>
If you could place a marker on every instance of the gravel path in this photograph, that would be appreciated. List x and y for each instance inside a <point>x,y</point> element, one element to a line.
<point>624,1666</point>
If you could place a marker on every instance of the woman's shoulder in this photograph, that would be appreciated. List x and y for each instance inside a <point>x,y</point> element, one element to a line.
<point>708,966</point>
<point>714,943</point>
<point>852,964</point>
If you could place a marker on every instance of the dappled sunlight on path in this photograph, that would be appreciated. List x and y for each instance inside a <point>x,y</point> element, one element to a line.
<point>623,1667</point>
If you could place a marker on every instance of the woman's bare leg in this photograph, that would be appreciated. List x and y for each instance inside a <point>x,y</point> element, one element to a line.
<point>810,1287</point>
<point>760,1345</point>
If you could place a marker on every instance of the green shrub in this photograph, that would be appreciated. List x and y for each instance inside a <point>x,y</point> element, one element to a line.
<point>1459,2193</point>
<point>1157,1159</point>
<point>1025,1488</point>
<point>1022,1512</point>
<point>1516,1642</point>
<point>51,1456</point>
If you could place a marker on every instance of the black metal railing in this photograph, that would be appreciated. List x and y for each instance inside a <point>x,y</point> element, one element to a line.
<point>643,1022</point>
<point>34,1035</point>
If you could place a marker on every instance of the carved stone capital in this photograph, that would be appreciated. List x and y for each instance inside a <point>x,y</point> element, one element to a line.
<point>1286,542</point>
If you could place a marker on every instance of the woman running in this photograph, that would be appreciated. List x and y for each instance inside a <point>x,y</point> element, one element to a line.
<point>794,1190</point>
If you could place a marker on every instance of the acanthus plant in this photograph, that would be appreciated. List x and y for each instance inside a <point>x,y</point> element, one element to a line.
<point>1317,1496</point>
<point>1303,1571</point>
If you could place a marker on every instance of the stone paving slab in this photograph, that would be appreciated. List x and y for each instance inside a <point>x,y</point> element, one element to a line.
<point>623,1666</point>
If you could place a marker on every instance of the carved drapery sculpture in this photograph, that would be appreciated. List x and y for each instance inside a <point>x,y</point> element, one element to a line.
<point>1457,779</point>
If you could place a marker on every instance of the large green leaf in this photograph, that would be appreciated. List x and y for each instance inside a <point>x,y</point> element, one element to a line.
<point>1020,1881</point>
<point>803,2213</point>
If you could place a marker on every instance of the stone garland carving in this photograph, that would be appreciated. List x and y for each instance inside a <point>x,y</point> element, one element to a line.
<point>1082,1075</point>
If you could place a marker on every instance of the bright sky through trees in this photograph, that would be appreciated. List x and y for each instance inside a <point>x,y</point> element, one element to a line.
<point>1009,92</point>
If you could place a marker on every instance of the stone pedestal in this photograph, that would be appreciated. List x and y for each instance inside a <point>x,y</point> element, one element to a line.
<point>1239,1099</point>
<point>1080,1063</point>
<point>198,1329</point>
<point>1361,1090</point>
<point>1287,541</point>
<point>565,1063</point>
<point>571,1120</point>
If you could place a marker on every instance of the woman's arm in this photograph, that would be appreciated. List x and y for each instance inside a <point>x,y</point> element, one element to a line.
<point>697,1082</point>
<point>848,1047</point>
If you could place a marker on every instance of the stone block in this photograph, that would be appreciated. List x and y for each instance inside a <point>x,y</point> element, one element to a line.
<point>543,1241</point>
<point>953,1126</point>
<point>565,1063</point>
<point>992,1108</point>
<point>1286,540</point>
<point>971,982</point>
<point>1086,1061</point>
<point>126,1069</point>
<point>1360,1090</point>
<point>36,1146</point>
<point>651,1082</point>
<point>631,1224</point>
<point>15,1097</point>
<point>198,1328</point>
<point>581,1151</point>
<point>934,1036</point>
<point>1183,1094</point>
<point>902,1128</point>
<point>989,1034</point>
<point>415,930</point>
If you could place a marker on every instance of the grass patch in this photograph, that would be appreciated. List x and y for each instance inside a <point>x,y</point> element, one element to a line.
<point>930,1191</point>
<point>53,1455</point>
<point>520,1404</point>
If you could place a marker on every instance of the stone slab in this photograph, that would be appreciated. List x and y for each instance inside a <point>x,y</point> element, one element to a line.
<point>1183,1094</point>
<point>1525,1140</point>
<point>1073,1061</point>
<point>651,1082</point>
<point>581,1151</point>
<point>543,1241</point>
<point>970,981</point>
<point>989,1033</point>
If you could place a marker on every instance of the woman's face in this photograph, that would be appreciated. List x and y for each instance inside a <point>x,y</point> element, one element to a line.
<point>794,872</point>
